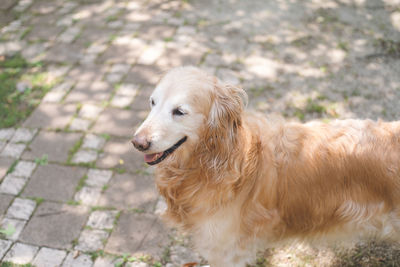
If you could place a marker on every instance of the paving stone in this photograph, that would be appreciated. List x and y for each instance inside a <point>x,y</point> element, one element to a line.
<point>95,33</point>
<point>228,76</point>
<point>17,224</point>
<point>89,77</point>
<point>58,92</point>
<point>54,182</point>
<point>55,225</point>
<point>64,53</point>
<point>11,48</point>
<point>6,4</point>
<point>152,53</point>
<point>23,135</point>
<point>45,31</point>
<point>12,26</point>
<point>119,153</point>
<point>79,124</point>
<point>115,24</point>
<point>121,101</point>
<point>123,53</point>
<point>105,261</point>
<point>117,122</point>
<point>91,240</point>
<point>57,71</point>
<point>5,164</point>
<point>96,48</point>
<point>24,169</point>
<point>12,185</point>
<point>102,219</point>
<point>69,35</point>
<point>120,68</point>
<point>127,191</point>
<point>88,195</point>
<point>88,59</point>
<point>144,74</point>
<point>13,150</point>
<point>156,32</point>
<point>2,145</point>
<point>141,101</point>
<point>34,52</point>
<point>23,5</point>
<point>66,21</point>
<point>128,89</point>
<point>49,257</point>
<point>55,145</point>
<point>180,255</point>
<point>21,209</point>
<point>84,156</point>
<point>114,78</point>
<point>41,7</point>
<point>137,264</point>
<point>5,201</point>
<point>4,246</point>
<point>82,260</point>
<point>138,233</point>
<point>6,133</point>
<point>90,92</point>
<point>98,178</point>
<point>21,253</point>
<point>90,111</point>
<point>49,115</point>
<point>53,96</point>
<point>161,206</point>
<point>186,30</point>
<point>93,141</point>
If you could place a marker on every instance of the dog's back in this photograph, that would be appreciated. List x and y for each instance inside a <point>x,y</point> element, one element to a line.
<point>339,176</point>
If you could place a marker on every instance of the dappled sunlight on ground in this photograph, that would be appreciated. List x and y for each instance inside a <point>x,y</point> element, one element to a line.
<point>304,60</point>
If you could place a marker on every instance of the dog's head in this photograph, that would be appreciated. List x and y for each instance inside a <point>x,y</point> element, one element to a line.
<point>189,109</point>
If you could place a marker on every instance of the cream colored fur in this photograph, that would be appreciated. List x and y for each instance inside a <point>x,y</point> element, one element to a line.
<point>243,182</point>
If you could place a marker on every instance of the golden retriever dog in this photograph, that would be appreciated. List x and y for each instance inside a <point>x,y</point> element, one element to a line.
<point>239,182</point>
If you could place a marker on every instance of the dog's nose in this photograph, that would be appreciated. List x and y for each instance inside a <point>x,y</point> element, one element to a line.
<point>140,142</point>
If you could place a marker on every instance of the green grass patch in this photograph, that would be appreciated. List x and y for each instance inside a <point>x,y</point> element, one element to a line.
<point>43,160</point>
<point>105,136</point>
<point>81,183</point>
<point>119,170</point>
<point>12,167</point>
<point>74,149</point>
<point>95,254</point>
<point>16,105</point>
<point>10,264</point>
<point>38,200</point>
<point>73,203</point>
<point>104,188</point>
<point>136,210</point>
<point>314,107</point>
<point>8,231</point>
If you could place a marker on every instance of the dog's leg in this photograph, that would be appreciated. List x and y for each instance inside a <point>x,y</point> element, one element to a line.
<point>218,262</point>
<point>229,257</point>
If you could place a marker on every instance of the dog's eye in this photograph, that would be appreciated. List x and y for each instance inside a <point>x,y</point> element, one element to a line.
<point>177,112</point>
<point>152,103</point>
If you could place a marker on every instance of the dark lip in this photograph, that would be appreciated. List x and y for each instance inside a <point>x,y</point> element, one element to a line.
<point>168,151</point>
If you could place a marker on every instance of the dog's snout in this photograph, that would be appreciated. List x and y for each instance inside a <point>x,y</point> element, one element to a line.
<point>140,142</point>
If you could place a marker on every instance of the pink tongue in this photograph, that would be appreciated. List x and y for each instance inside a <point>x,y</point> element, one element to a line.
<point>152,157</point>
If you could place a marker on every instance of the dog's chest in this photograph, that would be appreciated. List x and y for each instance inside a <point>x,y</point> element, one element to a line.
<point>221,228</point>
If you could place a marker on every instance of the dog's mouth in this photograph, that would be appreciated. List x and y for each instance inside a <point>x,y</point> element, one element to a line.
<point>153,159</point>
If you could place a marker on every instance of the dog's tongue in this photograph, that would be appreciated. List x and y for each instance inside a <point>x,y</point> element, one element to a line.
<point>152,157</point>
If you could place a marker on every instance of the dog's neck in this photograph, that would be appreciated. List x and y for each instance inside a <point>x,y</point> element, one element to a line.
<point>210,179</point>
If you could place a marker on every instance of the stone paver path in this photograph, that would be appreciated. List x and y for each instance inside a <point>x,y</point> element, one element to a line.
<point>72,186</point>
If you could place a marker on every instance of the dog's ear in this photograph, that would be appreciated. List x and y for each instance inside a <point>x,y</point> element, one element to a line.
<point>225,115</point>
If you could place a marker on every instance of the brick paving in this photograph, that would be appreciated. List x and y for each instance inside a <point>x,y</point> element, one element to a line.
<point>72,186</point>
